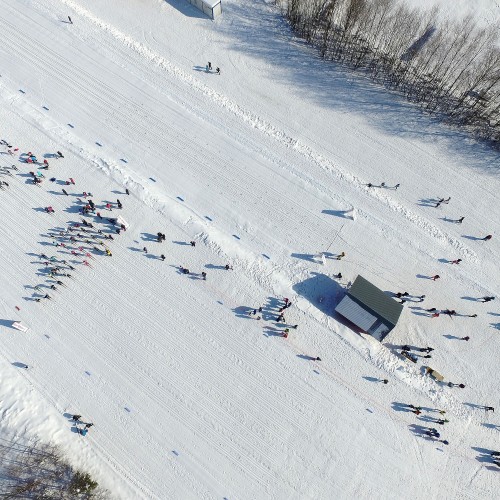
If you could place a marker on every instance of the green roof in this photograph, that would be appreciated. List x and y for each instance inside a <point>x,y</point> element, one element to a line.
<point>375,299</point>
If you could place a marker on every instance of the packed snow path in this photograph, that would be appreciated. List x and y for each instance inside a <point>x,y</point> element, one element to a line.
<point>190,396</point>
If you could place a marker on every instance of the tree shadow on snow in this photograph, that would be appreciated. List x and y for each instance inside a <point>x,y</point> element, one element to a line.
<point>331,85</point>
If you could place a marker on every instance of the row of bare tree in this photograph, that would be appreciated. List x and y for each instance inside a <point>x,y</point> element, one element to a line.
<point>448,67</point>
<point>31,470</point>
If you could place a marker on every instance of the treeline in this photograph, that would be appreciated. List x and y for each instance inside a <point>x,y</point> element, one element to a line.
<point>448,67</point>
<point>36,471</point>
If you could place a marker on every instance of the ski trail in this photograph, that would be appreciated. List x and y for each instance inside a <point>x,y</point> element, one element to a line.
<point>271,131</point>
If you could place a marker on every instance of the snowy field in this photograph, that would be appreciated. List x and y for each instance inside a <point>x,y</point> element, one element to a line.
<point>262,166</point>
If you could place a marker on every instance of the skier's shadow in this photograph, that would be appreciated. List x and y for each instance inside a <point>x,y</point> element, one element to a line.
<point>308,358</point>
<point>306,256</point>
<point>213,266</point>
<point>397,406</point>
<point>149,237</point>
<point>181,243</point>
<point>485,457</point>
<point>491,426</point>
<point>270,310</point>
<point>427,418</point>
<point>475,406</point>
<point>427,202</point>
<point>269,331</point>
<point>474,238</point>
<point>242,311</point>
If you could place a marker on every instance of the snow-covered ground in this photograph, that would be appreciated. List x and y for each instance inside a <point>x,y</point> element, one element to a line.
<point>190,396</point>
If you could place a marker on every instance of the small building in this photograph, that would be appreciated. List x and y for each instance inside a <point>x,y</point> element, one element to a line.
<point>370,309</point>
<point>211,8</point>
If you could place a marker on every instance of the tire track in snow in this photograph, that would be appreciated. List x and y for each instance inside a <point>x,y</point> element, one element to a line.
<point>271,131</point>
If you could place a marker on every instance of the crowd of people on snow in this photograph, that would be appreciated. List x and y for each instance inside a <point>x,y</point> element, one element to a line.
<point>84,241</point>
<point>404,351</point>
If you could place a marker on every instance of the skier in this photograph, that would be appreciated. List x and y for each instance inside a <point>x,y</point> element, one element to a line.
<point>119,203</point>
<point>65,192</point>
<point>489,408</point>
<point>60,154</point>
<point>295,326</point>
<point>435,277</point>
<point>456,261</point>
<point>421,298</point>
<point>217,70</point>
<point>465,338</point>
<point>486,299</point>
<point>145,250</point>
<point>340,256</point>
<point>472,315</point>
<point>89,425</point>
<point>396,186</point>
<point>162,257</point>
<point>127,191</point>
<point>70,22</point>
<point>429,349</point>
<point>193,243</point>
<point>209,66</point>
<point>76,418</point>
<point>228,267</point>
<point>432,309</point>
<point>108,206</point>
<point>204,275</point>
<point>338,276</point>
<point>459,221</point>
<point>488,237</point>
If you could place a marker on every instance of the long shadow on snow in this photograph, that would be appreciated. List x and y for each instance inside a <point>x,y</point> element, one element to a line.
<point>322,292</point>
<point>331,85</point>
